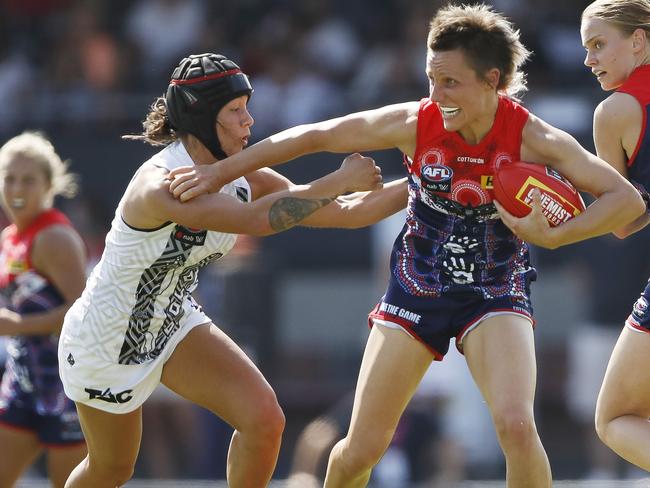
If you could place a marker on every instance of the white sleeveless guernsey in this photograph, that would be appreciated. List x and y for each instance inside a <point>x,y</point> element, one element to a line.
<point>137,304</point>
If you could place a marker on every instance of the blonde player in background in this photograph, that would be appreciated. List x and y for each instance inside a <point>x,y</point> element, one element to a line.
<point>616,35</point>
<point>42,272</point>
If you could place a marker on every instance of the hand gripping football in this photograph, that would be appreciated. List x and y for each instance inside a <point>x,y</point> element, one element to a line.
<point>514,183</point>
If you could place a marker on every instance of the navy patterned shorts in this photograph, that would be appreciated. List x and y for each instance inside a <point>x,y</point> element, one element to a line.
<point>434,321</point>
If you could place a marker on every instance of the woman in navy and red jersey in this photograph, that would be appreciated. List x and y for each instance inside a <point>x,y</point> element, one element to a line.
<point>457,270</point>
<point>42,263</point>
<point>616,34</point>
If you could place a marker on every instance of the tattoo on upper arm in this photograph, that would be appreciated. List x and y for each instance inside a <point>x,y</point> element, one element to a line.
<point>289,211</point>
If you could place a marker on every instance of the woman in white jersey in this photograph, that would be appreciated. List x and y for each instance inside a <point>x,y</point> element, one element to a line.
<point>136,324</point>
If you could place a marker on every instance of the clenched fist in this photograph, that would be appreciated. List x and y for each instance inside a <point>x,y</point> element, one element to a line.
<point>360,173</point>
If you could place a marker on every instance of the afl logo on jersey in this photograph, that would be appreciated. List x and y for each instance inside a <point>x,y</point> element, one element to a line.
<point>437,177</point>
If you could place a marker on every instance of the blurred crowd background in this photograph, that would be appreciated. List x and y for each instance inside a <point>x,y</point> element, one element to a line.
<point>85,72</point>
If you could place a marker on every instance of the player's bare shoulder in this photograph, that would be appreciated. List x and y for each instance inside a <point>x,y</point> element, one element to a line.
<point>146,196</point>
<point>619,112</point>
<point>544,143</point>
<point>150,177</point>
<point>57,234</point>
<point>56,242</point>
<point>618,102</point>
<point>537,131</point>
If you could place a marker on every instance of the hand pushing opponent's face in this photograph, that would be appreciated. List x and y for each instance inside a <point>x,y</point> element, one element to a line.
<point>233,125</point>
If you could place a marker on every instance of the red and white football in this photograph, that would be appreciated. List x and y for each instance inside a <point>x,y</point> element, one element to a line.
<point>514,183</point>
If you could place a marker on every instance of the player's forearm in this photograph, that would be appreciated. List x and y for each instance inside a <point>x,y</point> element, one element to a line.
<point>281,211</point>
<point>361,209</point>
<point>635,226</point>
<point>15,324</point>
<point>609,212</point>
<point>276,149</point>
<point>378,205</point>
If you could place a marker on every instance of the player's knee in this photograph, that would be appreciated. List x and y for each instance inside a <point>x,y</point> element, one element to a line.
<point>124,474</point>
<point>515,428</point>
<point>117,472</point>
<point>358,457</point>
<point>601,423</point>
<point>268,420</point>
<point>275,423</point>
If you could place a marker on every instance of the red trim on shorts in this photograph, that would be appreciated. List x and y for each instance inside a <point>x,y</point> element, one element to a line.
<point>635,325</point>
<point>481,317</point>
<point>406,325</point>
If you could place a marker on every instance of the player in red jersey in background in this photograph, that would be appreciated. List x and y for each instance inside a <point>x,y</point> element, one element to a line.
<point>456,270</point>
<point>616,34</point>
<point>42,263</point>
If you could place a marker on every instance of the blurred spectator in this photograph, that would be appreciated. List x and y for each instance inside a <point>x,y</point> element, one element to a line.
<point>86,70</point>
<point>288,94</point>
<point>162,31</point>
<point>16,82</point>
<point>33,8</point>
<point>330,43</point>
<point>30,24</point>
